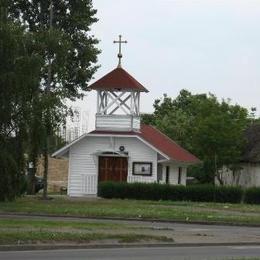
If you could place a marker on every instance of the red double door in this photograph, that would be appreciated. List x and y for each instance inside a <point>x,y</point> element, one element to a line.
<point>112,169</point>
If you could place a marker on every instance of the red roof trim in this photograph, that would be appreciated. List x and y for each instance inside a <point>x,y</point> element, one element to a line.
<point>160,141</point>
<point>118,79</point>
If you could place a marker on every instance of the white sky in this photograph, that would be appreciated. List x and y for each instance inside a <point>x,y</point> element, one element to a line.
<point>200,45</point>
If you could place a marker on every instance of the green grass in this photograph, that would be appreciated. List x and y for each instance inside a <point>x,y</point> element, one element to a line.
<point>167,210</point>
<point>23,231</point>
<point>46,224</point>
<point>33,237</point>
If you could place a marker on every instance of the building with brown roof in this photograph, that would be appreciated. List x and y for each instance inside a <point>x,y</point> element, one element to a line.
<point>121,148</point>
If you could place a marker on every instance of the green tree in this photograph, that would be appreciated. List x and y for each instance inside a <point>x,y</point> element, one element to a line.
<point>61,32</point>
<point>211,129</point>
<point>19,73</point>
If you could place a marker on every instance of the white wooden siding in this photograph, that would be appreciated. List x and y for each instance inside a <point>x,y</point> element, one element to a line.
<point>136,123</point>
<point>138,152</point>
<point>184,176</point>
<point>83,161</point>
<point>83,168</point>
<point>174,173</point>
<point>118,122</point>
<point>247,176</point>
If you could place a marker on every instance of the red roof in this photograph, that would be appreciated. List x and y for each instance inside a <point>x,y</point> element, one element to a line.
<point>160,141</point>
<point>118,79</point>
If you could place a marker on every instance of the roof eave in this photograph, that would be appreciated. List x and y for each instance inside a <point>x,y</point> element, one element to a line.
<point>188,163</point>
<point>118,89</point>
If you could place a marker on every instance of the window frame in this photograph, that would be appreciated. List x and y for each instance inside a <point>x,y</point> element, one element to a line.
<point>142,174</point>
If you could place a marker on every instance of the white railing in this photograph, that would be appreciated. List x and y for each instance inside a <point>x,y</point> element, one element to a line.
<point>143,179</point>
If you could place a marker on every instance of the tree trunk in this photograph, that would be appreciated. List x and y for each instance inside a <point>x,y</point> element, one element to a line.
<point>46,166</point>
<point>47,122</point>
<point>221,182</point>
<point>31,174</point>
<point>31,181</point>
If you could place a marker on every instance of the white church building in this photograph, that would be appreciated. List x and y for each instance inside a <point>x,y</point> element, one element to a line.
<point>120,148</point>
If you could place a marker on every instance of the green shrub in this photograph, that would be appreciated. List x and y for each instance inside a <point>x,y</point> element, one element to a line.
<point>23,185</point>
<point>8,177</point>
<point>201,193</point>
<point>154,191</point>
<point>228,194</point>
<point>252,195</point>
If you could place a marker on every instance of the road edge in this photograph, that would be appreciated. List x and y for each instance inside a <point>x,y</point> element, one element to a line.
<point>31,247</point>
<point>214,223</point>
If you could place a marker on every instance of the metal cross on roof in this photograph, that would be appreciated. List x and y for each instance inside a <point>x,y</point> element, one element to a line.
<point>119,55</point>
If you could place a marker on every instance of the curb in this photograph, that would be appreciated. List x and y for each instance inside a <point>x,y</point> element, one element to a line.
<point>129,219</point>
<point>31,247</point>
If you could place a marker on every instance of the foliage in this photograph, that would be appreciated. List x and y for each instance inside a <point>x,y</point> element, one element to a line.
<point>61,38</point>
<point>211,129</point>
<point>252,195</point>
<point>154,191</point>
<point>64,40</point>
<point>232,194</point>
<point>8,176</point>
<point>23,185</point>
<point>19,72</point>
<point>49,56</point>
<point>251,153</point>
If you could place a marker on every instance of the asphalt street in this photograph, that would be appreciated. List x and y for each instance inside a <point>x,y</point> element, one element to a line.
<point>194,253</point>
<point>180,232</point>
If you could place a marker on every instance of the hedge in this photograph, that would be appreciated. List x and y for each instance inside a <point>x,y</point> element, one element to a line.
<point>252,195</point>
<point>154,191</point>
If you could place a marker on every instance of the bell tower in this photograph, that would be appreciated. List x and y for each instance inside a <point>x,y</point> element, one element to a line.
<point>118,99</point>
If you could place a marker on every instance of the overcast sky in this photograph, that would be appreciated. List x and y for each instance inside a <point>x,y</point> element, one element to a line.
<point>199,45</point>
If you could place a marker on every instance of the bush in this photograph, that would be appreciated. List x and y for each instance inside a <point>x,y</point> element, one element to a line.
<point>23,185</point>
<point>154,191</point>
<point>252,195</point>
<point>8,177</point>
<point>230,194</point>
<point>203,193</point>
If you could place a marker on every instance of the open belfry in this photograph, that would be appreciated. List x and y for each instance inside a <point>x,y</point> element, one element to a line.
<point>121,148</point>
<point>118,99</point>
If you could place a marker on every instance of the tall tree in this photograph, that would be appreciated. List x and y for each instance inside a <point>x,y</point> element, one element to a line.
<point>62,34</point>
<point>211,129</point>
<point>19,73</point>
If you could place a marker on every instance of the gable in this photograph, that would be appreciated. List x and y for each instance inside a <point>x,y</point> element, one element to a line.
<point>104,143</point>
<point>151,137</point>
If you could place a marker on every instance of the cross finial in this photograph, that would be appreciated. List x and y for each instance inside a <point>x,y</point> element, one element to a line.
<point>119,55</point>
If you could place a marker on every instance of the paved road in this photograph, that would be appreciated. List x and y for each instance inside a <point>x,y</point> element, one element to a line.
<point>194,253</point>
<point>181,233</point>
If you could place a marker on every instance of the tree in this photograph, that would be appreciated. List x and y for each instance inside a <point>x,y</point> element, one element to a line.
<point>19,72</point>
<point>62,34</point>
<point>211,129</point>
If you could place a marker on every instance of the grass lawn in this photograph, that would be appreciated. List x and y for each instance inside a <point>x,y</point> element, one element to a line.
<point>166,210</point>
<point>20,231</point>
